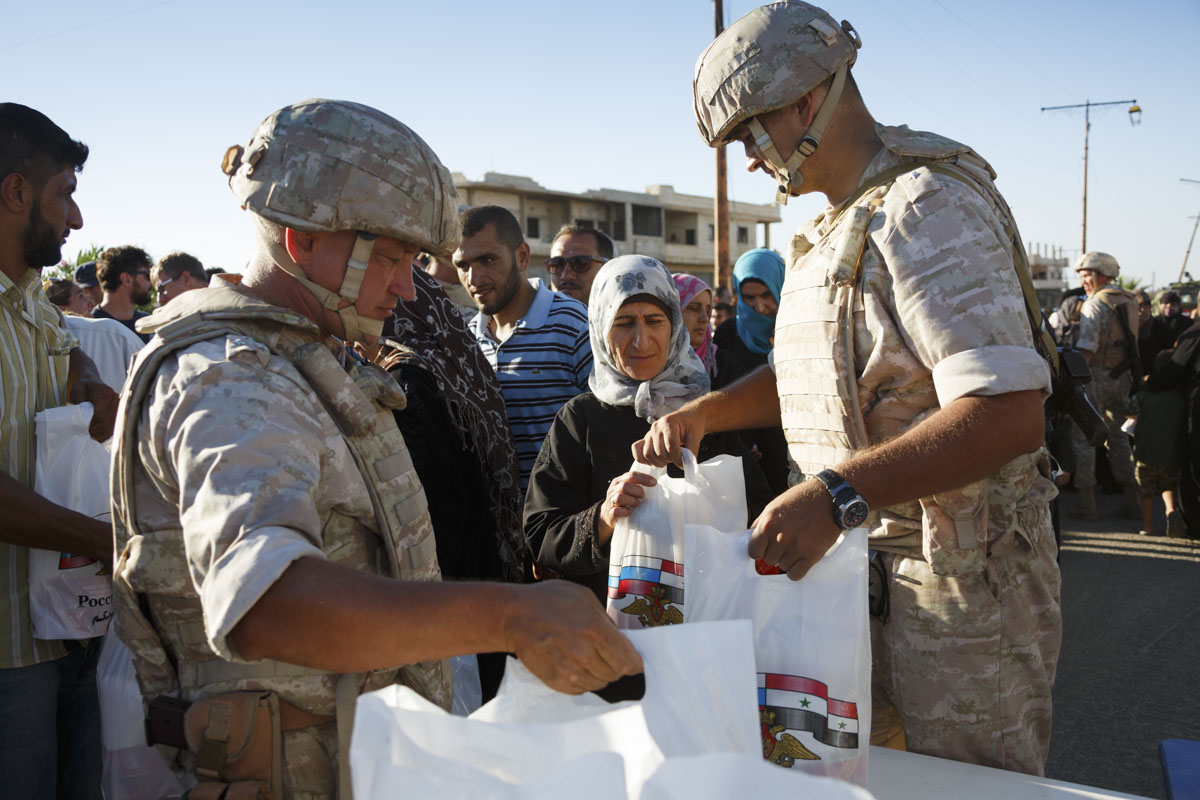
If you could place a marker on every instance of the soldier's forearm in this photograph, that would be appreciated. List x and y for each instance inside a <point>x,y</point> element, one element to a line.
<point>967,440</point>
<point>750,402</point>
<point>319,614</point>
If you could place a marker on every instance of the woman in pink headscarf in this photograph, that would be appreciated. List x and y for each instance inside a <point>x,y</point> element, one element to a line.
<point>696,300</point>
<point>724,367</point>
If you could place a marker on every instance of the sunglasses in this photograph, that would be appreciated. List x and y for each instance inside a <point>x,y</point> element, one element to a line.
<point>579,264</point>
<point>163,284</point>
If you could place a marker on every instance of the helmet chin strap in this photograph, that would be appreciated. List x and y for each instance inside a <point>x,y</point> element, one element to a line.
<point>788,170</point>
<point>355,326</point>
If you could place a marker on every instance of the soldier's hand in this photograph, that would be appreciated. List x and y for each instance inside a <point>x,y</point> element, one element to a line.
<point>795,530</point>
<point>104,406</point>
<point>560,632</point>
<point>663,444</point>
<point>625,493</point>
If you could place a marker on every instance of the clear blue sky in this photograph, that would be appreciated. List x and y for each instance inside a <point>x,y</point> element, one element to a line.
<point>581,95</point>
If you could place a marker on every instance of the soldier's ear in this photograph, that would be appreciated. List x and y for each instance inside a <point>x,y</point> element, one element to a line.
<point>299,246</point>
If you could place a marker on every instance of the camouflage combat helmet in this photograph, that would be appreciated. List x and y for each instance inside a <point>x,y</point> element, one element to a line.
<point>768,60</point>
<point>330,165</point>
<point>1098,262</point>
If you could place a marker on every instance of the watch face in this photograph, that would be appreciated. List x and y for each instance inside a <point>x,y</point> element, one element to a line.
<point>854,514</point>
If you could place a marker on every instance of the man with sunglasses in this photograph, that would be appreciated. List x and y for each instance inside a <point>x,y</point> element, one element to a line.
<point>575,256</point>
<point>176,273</point>
<point>124,274</point>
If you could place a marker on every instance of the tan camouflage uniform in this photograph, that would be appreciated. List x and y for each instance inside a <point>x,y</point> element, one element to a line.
<point>238,470</point>
<point>972,639</point>
<point>1100,334</point>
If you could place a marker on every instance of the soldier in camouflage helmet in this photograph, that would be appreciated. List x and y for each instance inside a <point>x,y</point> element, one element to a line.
<point>906,378</point>
<point>1107,338</point>
<point>273,540</point>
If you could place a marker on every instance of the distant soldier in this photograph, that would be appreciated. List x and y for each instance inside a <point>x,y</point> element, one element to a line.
<point>1107,337</point>
<point>275,551</point>
<point>905,375</point>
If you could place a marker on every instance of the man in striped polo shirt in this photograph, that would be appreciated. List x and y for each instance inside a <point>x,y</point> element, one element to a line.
<point>49,712</point>
<point>535,339</point>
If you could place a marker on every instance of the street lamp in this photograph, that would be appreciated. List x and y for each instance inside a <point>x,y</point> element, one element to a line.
<point>1135,118</point>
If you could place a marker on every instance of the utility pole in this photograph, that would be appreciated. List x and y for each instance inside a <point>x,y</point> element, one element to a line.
<point>721,200</point>
<point>1135,117</point>
<point>1191,240</point>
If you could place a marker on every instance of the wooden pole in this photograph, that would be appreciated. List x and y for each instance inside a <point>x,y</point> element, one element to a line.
<point>721,199</point>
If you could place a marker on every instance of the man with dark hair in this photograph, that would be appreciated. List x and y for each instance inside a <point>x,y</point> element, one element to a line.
<point>176,273</point>
<point>49,713</point>
<point>124,274</point>
<point>575,255</point>
<point>535,339</point>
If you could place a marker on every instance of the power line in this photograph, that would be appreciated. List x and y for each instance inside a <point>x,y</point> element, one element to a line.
<point>1002,48</point>
<point>959,69</point>
<point>1135,113</point>
<point>86,25</point>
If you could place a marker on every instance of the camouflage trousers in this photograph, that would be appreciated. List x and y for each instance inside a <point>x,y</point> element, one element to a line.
<point>1110,397</point>
<point>310,763</point>
<point>969,661</point>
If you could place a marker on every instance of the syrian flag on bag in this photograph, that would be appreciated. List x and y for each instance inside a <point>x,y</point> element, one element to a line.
<point>657,586</point>
<point>792,703</point>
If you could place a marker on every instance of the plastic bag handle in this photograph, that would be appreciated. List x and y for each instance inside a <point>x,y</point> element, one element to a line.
<point>690,465</point>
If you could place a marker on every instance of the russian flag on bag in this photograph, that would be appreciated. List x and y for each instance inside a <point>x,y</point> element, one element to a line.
<point>656,585</point>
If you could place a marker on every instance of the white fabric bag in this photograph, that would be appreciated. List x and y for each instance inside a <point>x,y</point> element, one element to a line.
<point>68,597</point>
<point>531,741</point>
<point>811,644</point>
<point>646,557</point>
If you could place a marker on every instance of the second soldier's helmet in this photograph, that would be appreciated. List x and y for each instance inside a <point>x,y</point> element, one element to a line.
<point>1098,262</point>
<point>331,165</point>
<point>767,60</point>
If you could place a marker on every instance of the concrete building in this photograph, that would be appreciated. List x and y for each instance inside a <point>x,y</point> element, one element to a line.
<point>677,229</point>
<point>1050,270</point>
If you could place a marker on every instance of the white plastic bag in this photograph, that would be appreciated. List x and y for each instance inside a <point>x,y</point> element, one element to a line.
<point>132,770</point>
<point>68,598</point>
<point>646,557</point>
<point>468,693</point>
<point>811,644</point>
<point>531,741</point>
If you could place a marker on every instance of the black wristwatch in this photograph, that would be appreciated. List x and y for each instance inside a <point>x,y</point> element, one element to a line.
<point>849,509</point>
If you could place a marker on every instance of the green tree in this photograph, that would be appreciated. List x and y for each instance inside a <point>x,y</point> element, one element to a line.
<point>1130,283</point>
<point>65,269</point>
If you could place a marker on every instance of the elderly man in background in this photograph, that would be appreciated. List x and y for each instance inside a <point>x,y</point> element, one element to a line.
<point>176,273</point>
<point>576,254</point>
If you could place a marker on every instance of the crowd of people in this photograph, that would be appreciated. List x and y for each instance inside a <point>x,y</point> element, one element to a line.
<point>384,444</point>
<point>1144,374</point>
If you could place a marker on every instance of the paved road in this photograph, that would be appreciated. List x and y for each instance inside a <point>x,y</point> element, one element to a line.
<point>1129,674</point>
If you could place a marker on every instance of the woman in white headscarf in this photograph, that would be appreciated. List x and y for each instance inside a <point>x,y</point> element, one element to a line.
<point>644,368</point>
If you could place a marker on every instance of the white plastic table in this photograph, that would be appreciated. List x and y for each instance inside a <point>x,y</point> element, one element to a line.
<point>893,775</point>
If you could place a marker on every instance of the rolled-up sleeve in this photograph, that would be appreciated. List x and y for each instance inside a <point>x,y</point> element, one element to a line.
<point>959,304</point>
<point>247,444</point>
